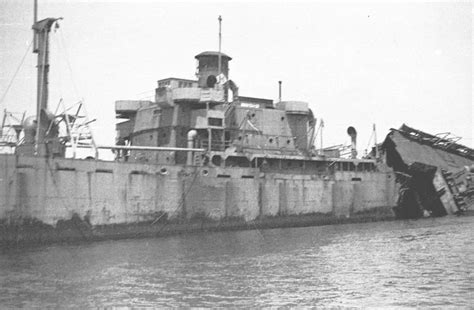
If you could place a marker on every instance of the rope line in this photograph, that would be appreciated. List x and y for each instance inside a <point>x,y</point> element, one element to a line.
<point>198,169</point>
<point>60,61</point>
<point>370,140</point>
<point>68,62</point>
<point>16,72</point>
<point>196,173</point>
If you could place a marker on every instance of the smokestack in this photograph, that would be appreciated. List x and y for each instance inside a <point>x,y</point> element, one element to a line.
<point>353,134</point>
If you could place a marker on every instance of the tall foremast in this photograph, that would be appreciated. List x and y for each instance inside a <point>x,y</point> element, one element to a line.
<point>41,30</point>
<point>41,130</point>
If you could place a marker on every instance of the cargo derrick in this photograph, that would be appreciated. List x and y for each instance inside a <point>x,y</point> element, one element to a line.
<point>41,131</point>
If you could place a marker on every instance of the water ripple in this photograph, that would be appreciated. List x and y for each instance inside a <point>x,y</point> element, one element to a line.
<point>424,263</point>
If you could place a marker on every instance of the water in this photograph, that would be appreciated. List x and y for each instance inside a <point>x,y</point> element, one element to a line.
<point>388,264</point>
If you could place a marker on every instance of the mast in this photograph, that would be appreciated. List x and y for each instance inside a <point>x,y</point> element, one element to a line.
<point>279,91</point>
<point>35,19</point>
<point>375,143</point>
<point>35,11</point>
<point>219,64</point>
<point>41,30</point>
<point>321,125</point>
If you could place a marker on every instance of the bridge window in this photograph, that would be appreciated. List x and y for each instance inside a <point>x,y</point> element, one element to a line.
<point>213,121</point>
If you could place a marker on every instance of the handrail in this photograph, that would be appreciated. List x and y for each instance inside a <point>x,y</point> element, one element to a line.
<point>141,148</point>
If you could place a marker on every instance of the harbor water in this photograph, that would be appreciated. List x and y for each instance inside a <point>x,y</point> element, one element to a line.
<point>422,263</point>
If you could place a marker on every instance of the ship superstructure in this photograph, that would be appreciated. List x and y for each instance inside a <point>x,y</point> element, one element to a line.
<point>229,129</point>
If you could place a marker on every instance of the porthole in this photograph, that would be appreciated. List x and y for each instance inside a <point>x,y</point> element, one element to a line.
<point>164,171</point>
<point>216,160</point>
<point>205,172</point>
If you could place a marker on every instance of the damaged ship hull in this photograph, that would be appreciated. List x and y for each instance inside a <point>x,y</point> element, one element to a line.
<point>432,171</point>
<point>50,200</point>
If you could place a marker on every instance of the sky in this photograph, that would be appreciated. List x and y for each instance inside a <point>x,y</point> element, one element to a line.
<point>355,63</point>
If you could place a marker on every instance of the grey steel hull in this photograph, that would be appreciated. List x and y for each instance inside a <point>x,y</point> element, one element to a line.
<point>53,200</point>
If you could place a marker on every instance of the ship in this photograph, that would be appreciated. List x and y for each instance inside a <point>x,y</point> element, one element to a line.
<point>200,157</point>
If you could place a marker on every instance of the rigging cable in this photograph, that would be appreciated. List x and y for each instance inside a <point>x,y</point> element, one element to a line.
<point>196,173</point>
<point>74,84</point>
<point>16,72</point>
<point>181,204</point>
<point>370,140</point>
<point>68,62</point>
<point>60,61</point>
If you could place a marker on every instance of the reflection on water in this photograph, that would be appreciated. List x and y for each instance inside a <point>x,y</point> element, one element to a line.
<point>404,263</point>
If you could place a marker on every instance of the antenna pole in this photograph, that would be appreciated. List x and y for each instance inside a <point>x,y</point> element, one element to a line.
<point>35,11</point>
<point>220,43</point>
<point>321,124</point>
<point>35,19</point>
<point>279,91</point>
<point>375,143</point>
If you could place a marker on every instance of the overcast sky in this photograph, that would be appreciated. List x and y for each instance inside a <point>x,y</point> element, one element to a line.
<point>356,64</point>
